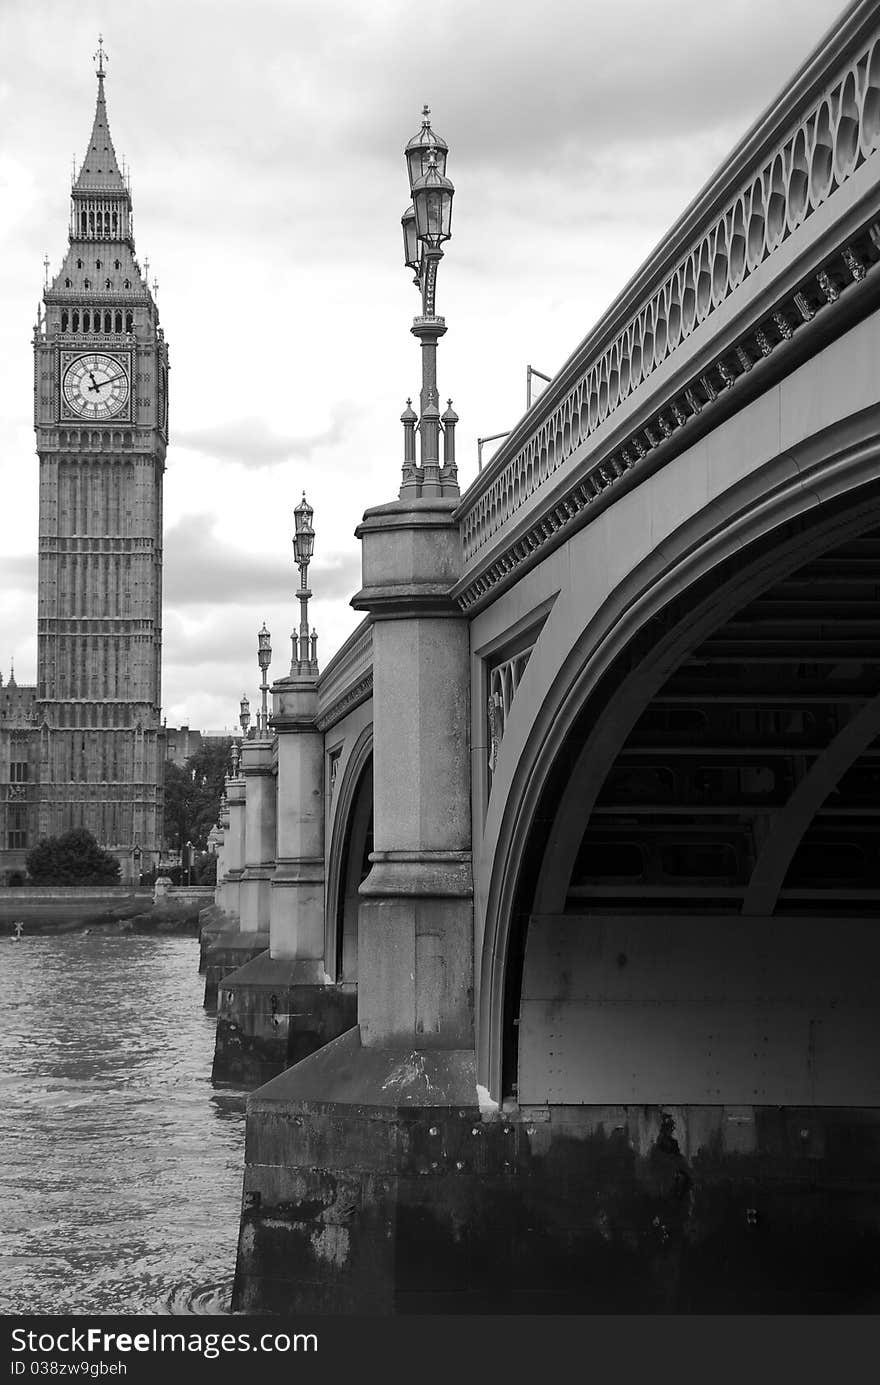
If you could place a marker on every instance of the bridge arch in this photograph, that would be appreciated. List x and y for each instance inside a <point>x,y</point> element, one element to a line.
<point>350,843</point>
<point>586,688</point>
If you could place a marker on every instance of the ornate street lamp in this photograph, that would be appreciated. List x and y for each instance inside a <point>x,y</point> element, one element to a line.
<point>305,650</point>
<point>244,719</point>
<point>426,224</point>
<point>264,659</point>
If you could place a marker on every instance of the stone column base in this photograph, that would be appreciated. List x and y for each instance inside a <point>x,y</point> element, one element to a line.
<point>374,1186</point>
<point>228,951</point>
<point>212,921</point>
<point>270,1016</point>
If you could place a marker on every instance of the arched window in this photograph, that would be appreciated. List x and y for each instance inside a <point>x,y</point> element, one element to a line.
<point>87,321</point>
<point>129,322</point>
<point>88,283</point>
<point>79,263</point>
<point>97,264</point>
<point>116,264</point>
<point>83,226</point>
<point>107,283</point>
<point>96,320</point>
<point>127,284</point>
<point>115,222</point>
<point>108,320</point>
<point>64,320</point>
<point>118,321</point>
<point>67,283</point>
<point>74,326</point>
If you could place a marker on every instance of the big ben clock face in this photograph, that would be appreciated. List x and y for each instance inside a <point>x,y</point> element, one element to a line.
<point>95,387</point>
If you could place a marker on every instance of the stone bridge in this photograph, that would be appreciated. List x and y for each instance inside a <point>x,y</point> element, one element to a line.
<point>557,891</point>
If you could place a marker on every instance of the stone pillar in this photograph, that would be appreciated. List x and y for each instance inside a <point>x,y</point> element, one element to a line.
<point>242,938</point>
<point>297,899</point>
<point>415,933</point>
<point>282,1006</point>
<point>234,848</point>
<point>259,835</point>
<point>386,1118</point>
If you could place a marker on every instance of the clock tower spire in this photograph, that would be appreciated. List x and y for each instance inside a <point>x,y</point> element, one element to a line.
<point>101,421</point>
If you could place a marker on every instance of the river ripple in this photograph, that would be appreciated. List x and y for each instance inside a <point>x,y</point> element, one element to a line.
<point>120,1165</point>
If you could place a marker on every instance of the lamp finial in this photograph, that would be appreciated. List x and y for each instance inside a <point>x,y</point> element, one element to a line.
<point>99,58</point>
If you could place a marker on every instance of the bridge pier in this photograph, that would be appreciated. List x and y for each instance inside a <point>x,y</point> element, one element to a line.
<point>339,1146</point>
<point>280,1005</point>
<point>225,948</point>
<point>391,1192</point>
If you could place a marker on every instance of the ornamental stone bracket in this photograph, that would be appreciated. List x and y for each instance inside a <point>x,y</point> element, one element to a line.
<point>504,679</point>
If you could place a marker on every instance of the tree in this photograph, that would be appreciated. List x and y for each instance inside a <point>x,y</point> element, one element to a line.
<point>193,792</point>
<point>74,858</point>
<point>205,869</point>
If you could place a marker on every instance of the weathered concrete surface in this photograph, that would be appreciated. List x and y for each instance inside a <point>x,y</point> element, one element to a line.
<point>212,922</point>
<point>228,951</point>
<point>272,1013</point>
<point>374,1185</point>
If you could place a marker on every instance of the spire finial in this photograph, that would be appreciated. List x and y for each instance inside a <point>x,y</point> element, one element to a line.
<point>45,271</point>
<point>99,58</point>
<point>426,115</point>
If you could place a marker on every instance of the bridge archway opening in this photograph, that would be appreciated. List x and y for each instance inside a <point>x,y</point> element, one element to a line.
<point>353,863</point>
<point>693,917</point>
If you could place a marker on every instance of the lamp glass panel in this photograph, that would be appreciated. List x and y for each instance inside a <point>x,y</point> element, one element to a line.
<point>433,214</point>
<point>410,240</point>
<point>415,166</point>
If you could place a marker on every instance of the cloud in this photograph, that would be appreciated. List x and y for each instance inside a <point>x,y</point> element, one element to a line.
<point>18,573</point>
<point>203,569</point>
<point>251,443</point>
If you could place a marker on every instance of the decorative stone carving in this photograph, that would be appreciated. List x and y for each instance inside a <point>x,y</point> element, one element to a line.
<point>824,145</point>
<point>504,679</point>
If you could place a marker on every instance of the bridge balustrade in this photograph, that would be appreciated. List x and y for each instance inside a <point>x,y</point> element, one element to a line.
<point>773,241</point>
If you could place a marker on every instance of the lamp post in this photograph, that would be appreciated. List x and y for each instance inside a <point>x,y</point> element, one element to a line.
<point>244,718</point>
<point>136,858</point>
<point>264,659</point>
<point>426,225</point>
<point>304,649</point>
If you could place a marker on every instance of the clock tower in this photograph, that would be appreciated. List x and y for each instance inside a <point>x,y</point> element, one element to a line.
<point>101,420</point>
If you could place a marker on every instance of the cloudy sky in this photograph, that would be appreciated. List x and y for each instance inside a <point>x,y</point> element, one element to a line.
<point>265,147</point>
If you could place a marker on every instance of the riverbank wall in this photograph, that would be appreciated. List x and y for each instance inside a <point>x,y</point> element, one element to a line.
<point>64,909</point>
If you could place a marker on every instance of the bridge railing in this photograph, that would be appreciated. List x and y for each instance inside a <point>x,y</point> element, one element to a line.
<point>757,254</point>
<point>348,678</point>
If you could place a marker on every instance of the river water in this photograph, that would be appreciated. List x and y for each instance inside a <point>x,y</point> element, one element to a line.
<point>120,1165</point>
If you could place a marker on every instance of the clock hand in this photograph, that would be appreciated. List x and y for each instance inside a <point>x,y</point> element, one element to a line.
<point>108,381</point>
<point>92,378</point>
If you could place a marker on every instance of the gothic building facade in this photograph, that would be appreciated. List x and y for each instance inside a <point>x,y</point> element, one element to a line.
<point>84,747</point>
